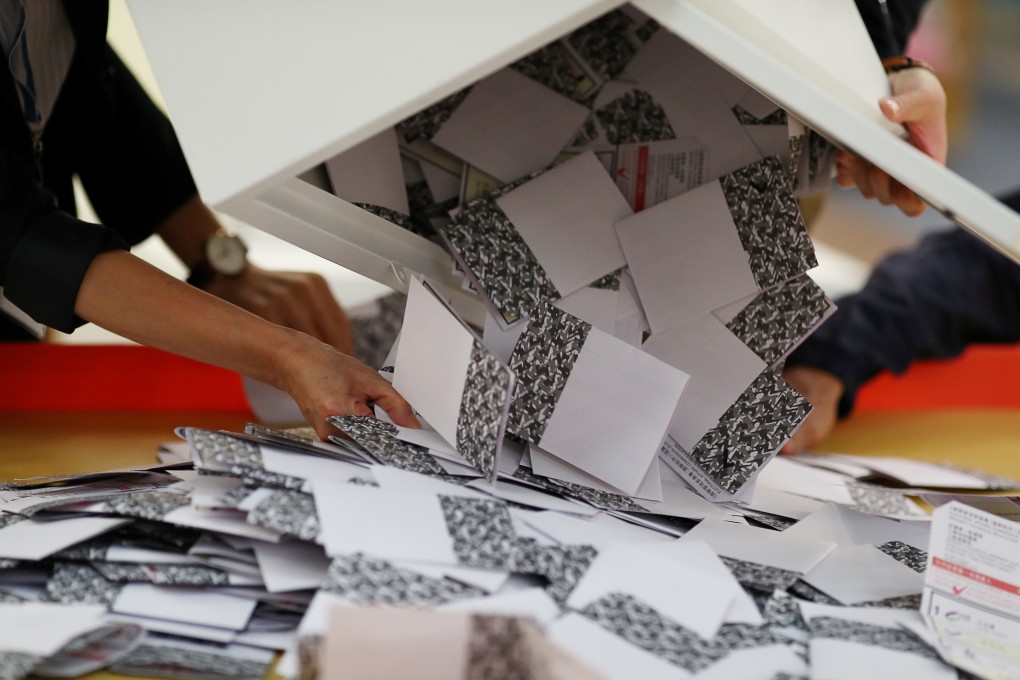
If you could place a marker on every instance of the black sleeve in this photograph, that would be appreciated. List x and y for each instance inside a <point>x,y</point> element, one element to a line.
<point>904,14</point>
<point>44,253</point>
<point>105,129</point>
<point>121,146</point>
<point>950,291</point>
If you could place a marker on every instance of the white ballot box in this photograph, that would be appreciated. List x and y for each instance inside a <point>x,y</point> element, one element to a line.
<point>261,92</point>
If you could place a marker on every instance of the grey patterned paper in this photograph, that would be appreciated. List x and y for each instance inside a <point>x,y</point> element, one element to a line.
<point>779,319</point>
<point>643,626</point>
<point>483,410</point>
<point>224,453</point>
<point>768,222</point>
<point>806,591</point>
<point>894,639</point>
<point>634,117</point>
<point>389,214</point>
<point>426,123</point>
<point>821,156</point>
<point>744,117</point>
<point>375,335</point>
<point>915,558</point>
<point>288,512</point>
<point>162,574</point>
<point>151,505</point>
<point>734,636</point>
<point>482,237</point>
<point>608,43</point>
<point>781,610</point>
<point>793,166</point>
<point>380,440</point>
<point>374,581</point>
<point>481,529</point>
<point>777,523</point>
<point>909,602</point>
<point>561,565</point>
<point>555,67</point>
<point>73,583</point>
<point>609,281</point>
<point>16,665</point>
<point>170,658</point>
<point>603,500</point>
<point>750,431</point>
<point>760,576</point>
<point>497,649</point>
<point>879,501</point>
<point>542,361</point>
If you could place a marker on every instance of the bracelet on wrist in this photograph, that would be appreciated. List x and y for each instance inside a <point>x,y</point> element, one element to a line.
<point>902,63</point>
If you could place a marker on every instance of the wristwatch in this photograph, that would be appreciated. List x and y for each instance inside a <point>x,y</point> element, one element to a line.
<point>225,253</point>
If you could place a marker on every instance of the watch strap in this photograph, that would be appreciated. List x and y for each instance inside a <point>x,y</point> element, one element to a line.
<point>201,274</point>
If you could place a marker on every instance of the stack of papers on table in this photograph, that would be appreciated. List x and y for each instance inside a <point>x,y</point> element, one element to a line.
<point>275,542</point>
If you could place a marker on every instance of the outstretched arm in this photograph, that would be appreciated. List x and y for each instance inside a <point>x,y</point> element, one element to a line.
<point>128,296</point>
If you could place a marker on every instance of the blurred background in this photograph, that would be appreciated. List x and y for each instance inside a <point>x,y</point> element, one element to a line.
<point>974,46</point>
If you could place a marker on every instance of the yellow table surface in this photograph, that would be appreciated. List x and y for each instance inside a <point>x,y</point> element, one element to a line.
<point>34,444</point>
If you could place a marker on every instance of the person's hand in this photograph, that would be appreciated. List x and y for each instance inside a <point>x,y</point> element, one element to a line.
<point>324,382</point>
<point>823,390</point>
<point>298,300</point>
<point>919,104</point>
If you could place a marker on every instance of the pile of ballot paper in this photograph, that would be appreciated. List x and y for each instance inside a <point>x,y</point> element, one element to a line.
<point>593,492</point>
<point>246,544</point>
<point>625,211</point>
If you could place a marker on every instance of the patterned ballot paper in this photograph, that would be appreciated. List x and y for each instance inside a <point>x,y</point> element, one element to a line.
<point>716,244</point>
<point>542,240</point>
<point>591,399</point>
<point>445,372</point>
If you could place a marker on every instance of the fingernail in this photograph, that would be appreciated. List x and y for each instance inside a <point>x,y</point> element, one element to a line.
<point>893,107</point>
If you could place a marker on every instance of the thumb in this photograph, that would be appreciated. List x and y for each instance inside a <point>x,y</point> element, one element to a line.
<point>918,97</point>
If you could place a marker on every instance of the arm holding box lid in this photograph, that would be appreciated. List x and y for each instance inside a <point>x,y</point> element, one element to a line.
<point>918,102</point>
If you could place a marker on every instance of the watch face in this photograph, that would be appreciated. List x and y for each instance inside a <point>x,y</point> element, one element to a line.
<point>226,254</point>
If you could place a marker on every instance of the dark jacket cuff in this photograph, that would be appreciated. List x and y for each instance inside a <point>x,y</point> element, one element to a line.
<point>48,264</point>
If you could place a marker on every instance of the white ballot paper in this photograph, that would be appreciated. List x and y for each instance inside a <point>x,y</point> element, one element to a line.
<point>760,558</point>
<point>446,373</point>
<point>720,367</point>
<point>509,125</point>
<point>613,656</point>
<point>688,87</point>
<point>850,643</point>
<point>32,631</point>
<point>199,606</point>
<point>863,574</point>
<point>34,540</point>
<point>542,240</point>
<point>371,520</point>
<point>566,217</point>
<point>649,173</point>
<point>716,244</point>
<point>591,399</point>
<point>695,598</point>
<point>370,175</point>
<point>971,598</point>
